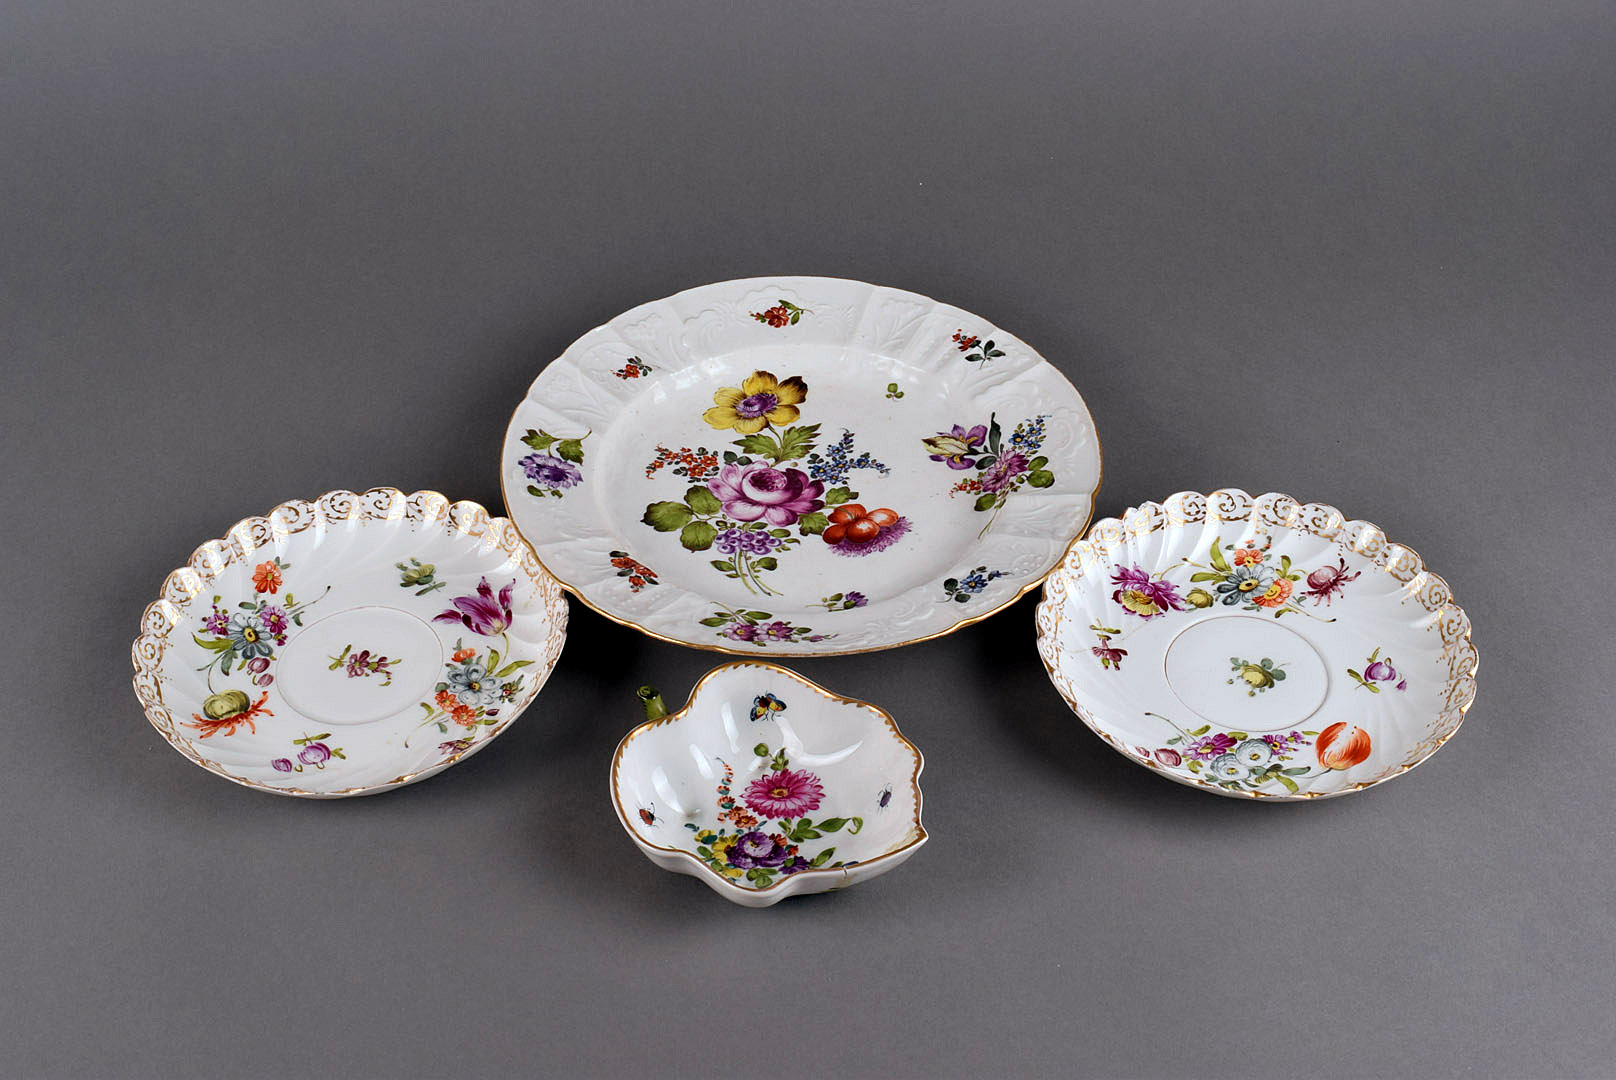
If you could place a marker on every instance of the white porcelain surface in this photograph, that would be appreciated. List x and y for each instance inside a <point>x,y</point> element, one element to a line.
<point>349,645</point>
<point>613,467</point>
<point>766,785</point>
<point>1257,647</point>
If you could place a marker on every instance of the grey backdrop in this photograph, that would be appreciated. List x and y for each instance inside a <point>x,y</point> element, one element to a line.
<point>1359,252</point>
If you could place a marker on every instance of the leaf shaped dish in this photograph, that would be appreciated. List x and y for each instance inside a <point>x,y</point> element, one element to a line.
<point>1257,647</point>
<point>766,785</point>
<point>806,466</point>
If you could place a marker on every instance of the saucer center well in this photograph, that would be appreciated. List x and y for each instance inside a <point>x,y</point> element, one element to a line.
<point>360,665</point>
<point>1246,673</point>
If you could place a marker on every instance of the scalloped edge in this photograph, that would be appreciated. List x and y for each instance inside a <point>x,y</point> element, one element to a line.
<point>210,559</point>
<point>1316,519</point>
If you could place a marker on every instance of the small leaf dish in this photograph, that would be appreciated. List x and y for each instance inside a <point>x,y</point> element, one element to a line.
<point>799,466</point>
<point>350,644</point>
<point>1259,648</point>
<point>766,785</point>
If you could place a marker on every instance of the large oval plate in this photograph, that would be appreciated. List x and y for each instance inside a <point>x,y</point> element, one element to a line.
<point>1257,647</point>
<point>348,645</point>
<point>799,466</point>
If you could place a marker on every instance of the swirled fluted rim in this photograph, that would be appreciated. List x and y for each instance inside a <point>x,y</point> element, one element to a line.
<point>1149,517</point>
<point>213,557</point>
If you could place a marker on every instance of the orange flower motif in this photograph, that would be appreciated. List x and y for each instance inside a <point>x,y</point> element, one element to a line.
<point>462,655</point>
<point>464,715</point>
<point>446,701</point>
<point>1249,556</point>
<point>1275,595</point>
<point>267,577</point>
<point>1341,746</point>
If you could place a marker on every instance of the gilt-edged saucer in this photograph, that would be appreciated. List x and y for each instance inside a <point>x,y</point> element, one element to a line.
<point>350,644</point>
<point>1257,647</point>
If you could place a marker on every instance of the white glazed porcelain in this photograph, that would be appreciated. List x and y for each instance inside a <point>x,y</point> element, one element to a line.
<point>686,469</point>
<point>350,644</point>
<point>1257,647</point>
<point>766,785</point>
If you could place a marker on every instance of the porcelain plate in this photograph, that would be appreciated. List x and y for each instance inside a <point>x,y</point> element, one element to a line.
<point>799,466</point>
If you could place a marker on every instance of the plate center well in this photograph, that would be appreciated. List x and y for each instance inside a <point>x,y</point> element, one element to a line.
<point>1246,673</point>
<point>842,431</point>
<point>360,665</point>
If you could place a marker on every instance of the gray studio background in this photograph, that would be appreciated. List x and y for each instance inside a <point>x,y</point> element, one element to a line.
<point>1358,252</point>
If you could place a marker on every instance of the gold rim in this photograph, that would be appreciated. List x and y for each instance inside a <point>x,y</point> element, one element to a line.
<point>160,617</point>
<point>1052,604</point>
<point>892,726</point>
<point>1033,583</point>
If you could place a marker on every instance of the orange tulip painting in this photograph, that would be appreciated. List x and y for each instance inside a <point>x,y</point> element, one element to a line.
<point>1342,745</point>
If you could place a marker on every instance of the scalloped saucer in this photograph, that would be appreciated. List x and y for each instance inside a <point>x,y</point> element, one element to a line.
<point>1257,647</point>
<point>766,785</point>
<point>797,465</point>
<point>349,645</point>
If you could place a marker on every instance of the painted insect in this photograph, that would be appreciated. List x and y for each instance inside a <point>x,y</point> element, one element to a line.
<point>1327,581</point>
<point>885,798</point>
<point>648,814</point>
<point>764,704</point>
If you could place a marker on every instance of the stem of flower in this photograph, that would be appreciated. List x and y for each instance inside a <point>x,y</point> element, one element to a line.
<point>1309,614</point>
<point>993,518</point>
<point>1175,727</point>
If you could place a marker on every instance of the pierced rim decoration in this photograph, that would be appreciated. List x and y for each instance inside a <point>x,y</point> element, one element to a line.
<point>799,466</point>
<point>348,645</point>
<point>766,785</point>
<point>1257,647</point>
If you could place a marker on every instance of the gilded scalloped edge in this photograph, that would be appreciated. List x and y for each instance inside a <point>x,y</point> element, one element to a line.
<point>1271,510</point>
<point>249,535</point>
<point>578,588</point>
<point>916,836</point>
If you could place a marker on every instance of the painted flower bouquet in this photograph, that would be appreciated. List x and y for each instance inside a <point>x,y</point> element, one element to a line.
<point>745,849</point>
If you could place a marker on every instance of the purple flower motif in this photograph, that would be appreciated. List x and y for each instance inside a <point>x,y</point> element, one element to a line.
<point>1209,746</point>
<point>316,753</point>
<point>793,865</point>
<point>1142,595</point>
<point>756,849</point>
<point>1282,744</point>
<point>456,746</point>
<point>999,475</point>
<point>777,630</point>
<point>1168,756</point>
<point>753,541</point>
<point>484,613</point>
<point>1382,671</point>
<point>1109,656</point>
<point>890,534</point>
<point>741,631</point>
<point>778,496</point>
<point>281,764</point>
<point>551,471</point>
<point>273,619</point>
<point>856,599</point>
<point>217,624</point>
<point>957,447</point>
